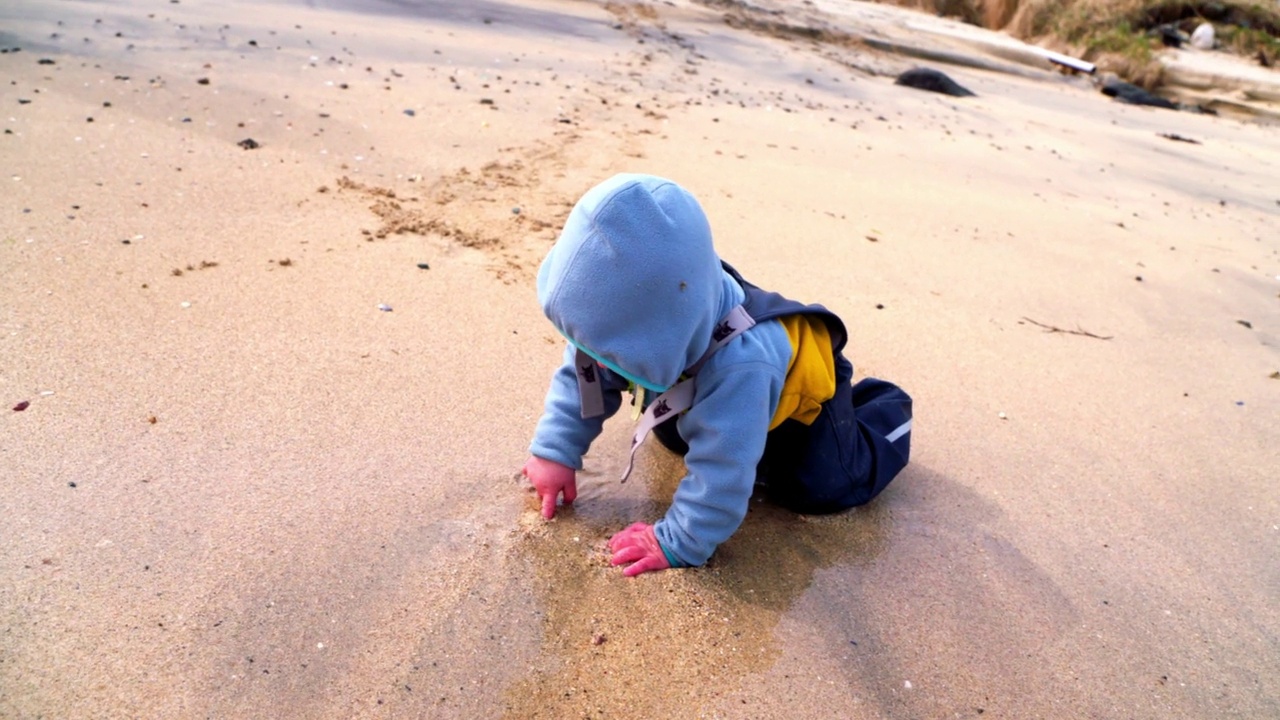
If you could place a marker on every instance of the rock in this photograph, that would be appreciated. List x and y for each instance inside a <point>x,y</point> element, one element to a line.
<point>933,81</point>
<point>1202,38</point>
<point>1170,36</point>
<point>1134,95</point>
<point>249,144</point>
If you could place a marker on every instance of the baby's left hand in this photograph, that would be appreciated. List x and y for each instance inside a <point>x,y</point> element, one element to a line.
<point>639,546</point>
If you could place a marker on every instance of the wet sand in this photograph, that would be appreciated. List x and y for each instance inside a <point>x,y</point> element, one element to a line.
<point>242,489</point>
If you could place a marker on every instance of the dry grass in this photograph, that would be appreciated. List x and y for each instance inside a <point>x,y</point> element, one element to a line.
<point>1118,34</point>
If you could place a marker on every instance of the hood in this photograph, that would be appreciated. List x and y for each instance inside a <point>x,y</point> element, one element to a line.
<point>634,280</point>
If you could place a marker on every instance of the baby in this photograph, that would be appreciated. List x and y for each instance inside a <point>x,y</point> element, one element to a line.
<point>750,387</point>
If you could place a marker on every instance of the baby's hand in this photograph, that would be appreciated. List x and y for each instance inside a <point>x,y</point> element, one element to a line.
<point>551,478</point>
<point>639,546</point>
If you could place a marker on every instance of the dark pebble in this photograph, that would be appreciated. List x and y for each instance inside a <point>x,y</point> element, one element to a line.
<point>1138,278</point>
<point>410,113</point>
<point>203,81</point>
<point>127,241</point>
<point>71,484</point>
<point>106,104</point>
<point>486,101</point>
<point>1246,323</point>
<point>423,266</point>
<point>249,144</point>
<point>22,406</point>
<point>45,61</point>
<point>23,101</point>
<point>879,306</point>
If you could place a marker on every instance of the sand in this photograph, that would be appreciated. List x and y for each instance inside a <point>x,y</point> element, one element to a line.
<point>243,490</point>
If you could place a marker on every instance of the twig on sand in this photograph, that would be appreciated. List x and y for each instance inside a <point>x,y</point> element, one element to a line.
<point>1055,329</point>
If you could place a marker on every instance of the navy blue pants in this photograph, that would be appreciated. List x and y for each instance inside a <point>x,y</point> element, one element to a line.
<point>860,441</point>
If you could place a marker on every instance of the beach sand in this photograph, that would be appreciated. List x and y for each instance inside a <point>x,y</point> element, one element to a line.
<point>242,490</point>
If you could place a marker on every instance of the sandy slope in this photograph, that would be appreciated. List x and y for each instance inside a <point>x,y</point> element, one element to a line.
<point>323,521</point>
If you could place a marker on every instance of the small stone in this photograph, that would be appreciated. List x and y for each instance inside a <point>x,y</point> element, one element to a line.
<point>185,304</point>
<point>45,61</point>
<point>1138,278</point>
<point>486,101</point>
<point>598,639</point>
<point>515,211</point>
<point>410,113</point>
<point>1245,323</point>
<point>249,144</point>
<point>203,81</point>
<point>879,306</point>
<point>423,266</point>
<point>384,307</point>
<point>22,406</point>
<point>1002,416</point>
<point>1275,375</point>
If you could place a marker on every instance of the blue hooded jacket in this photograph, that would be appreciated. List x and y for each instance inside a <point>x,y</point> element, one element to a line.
<point>634,281</point>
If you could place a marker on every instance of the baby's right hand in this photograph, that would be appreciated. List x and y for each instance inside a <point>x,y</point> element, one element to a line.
<point>551,478</point>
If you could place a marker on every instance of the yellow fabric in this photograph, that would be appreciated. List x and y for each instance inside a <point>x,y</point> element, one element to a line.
<point>811,372</point>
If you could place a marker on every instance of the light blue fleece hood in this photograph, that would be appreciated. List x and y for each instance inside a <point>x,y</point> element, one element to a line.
<point>634,279</point>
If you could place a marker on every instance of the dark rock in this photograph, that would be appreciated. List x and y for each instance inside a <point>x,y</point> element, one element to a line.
<point>410,113</point>
<point>22,406</point>
<point>249,144</point>
<point>1134,95</point>
<point>45,61</point>
<point>1170,36</point>
<point>933,81</point>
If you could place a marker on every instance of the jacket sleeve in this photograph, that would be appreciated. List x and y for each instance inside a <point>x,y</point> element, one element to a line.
<point>725,429</point>
<point>562,434</point>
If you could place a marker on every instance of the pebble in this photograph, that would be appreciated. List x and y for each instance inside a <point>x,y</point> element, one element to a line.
<point>1002,416</point>
<point>185,304</point>
<point>410,113</point>
<point>384,307</point>
<point>22,406</point>
<point>423,266</point>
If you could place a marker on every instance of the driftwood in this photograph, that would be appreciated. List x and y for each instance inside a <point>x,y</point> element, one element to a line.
<point>1078,331</point>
